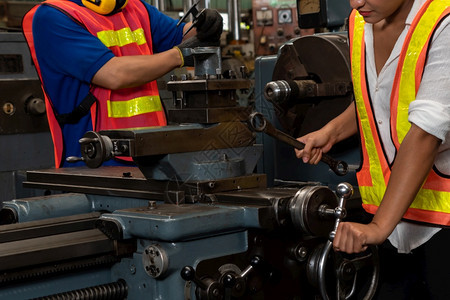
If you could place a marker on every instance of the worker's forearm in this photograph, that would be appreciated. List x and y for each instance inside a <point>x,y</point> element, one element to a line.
<point>344,125</point>
<point>413,163</point>
<point>132,71</point>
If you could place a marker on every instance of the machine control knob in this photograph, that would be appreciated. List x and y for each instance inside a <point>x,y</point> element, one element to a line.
<point>188,273</point>
<point>95,149</point>
<point>258,264</point>
<point>74,159</point>
<point>344,191</point>
<point>272,47</point>
<point>35,106</point>
<point>229,281</point>
<point>207,288</point>
<point>280,31</point>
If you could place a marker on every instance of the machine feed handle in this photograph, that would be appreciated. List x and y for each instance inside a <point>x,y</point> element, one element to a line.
<point>344,191</point>
<point>258,123</point>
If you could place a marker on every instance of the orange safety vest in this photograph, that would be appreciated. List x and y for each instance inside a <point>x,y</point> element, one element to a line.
<point>432,203</point>
<point>124,33</point>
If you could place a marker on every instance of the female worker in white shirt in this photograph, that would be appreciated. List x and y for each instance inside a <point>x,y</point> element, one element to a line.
<point>411,214</point>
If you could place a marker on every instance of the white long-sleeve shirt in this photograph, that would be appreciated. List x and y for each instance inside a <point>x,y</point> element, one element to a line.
<point>430,110</point>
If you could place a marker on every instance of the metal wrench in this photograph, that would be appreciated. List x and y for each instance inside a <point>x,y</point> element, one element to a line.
<point>339,167</point>
<point>195,15</point>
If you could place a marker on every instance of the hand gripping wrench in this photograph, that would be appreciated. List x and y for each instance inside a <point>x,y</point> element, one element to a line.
<point>258,123</point>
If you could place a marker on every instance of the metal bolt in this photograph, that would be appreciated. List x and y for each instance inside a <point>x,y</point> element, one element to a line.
<point>9,108</point>
<point>123,148</point>
<point>151,204</point>
<point>133,269</point>
<point>257,240</point>
<point>302,252</point>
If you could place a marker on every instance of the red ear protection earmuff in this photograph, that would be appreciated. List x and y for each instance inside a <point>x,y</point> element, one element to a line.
<point>105,7</point>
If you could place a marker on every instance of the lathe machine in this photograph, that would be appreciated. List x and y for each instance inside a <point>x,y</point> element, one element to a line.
<point>217,206</point>
<point>196,219</point>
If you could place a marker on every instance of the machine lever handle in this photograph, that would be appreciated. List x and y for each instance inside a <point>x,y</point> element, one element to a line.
<point>74,159</point>
<point>188,273</point>
<point>339,167</point>
<point>344,191</point>
<point>207,288</point>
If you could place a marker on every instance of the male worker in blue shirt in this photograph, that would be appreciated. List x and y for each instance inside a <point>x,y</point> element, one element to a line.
<point>98,62</point>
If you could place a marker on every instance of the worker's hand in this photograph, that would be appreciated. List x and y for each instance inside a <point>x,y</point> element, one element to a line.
<point>186,46</point>
<point>354,237</point>
<point>316,143</point>
<point>209,25</point>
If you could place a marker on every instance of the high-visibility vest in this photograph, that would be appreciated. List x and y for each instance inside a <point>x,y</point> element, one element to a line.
<point>432,203</point>
<point>123,33</point>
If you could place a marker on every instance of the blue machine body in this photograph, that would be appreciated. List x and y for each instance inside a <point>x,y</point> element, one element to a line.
<point>229,218</point>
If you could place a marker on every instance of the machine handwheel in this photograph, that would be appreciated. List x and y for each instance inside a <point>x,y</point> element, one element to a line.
<point>346,271</point>
<point>95,149</point>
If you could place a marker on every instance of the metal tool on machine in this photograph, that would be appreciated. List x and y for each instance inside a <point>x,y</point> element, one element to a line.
<point>289,91</point>
<point>258,123</point>
<point>195,15</point>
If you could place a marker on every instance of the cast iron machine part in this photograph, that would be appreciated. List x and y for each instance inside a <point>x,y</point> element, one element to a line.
<point>346,269</point>
<point>313,211</point>
<point>230,285</point>
<point>284,91</point>
<point>258,123</point>
<point>308,90</point>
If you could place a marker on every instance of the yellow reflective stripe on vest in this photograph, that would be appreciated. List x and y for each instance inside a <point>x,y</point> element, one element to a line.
<point>122,37</point>
<point>133,107</point>
<point>373,194</point>
<point>407,88</point>
<point>426,198</point>
<point>432,200</point>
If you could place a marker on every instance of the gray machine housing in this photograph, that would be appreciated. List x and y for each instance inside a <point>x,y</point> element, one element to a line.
<point>24,132</point>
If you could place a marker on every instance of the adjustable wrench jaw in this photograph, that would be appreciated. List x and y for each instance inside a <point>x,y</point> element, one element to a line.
<point>258,123</point>
<point>195,15</point>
